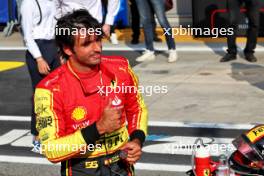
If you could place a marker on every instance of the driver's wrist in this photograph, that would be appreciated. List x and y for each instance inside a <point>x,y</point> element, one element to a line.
<point>100,128</point>
<point>39,59</point>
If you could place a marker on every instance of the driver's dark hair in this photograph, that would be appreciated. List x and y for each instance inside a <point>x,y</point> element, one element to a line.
<point>75,20</point>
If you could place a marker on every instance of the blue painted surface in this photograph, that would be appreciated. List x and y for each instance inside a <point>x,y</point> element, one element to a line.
<point>121,19</point>
<point>4,15</point>
<point>155,137</point>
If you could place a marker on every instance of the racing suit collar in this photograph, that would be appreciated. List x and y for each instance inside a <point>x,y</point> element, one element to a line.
<point>83,75</point>
<point>91,81</point>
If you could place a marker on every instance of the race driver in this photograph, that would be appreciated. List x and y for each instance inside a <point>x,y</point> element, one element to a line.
<point>91,102</point>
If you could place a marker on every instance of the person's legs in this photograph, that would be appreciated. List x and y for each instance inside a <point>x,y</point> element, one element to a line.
<point>12,16</point>
<point>145,17</point>
<point>10,10</point>
<point>234,13</point>
<point>155,35</point>
<point>252,33</point>
<point>135,22</point>
<point>18,9</point>
<point>159,10</point>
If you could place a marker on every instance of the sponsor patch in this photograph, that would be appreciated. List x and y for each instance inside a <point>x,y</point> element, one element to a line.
<point>44,122</point>
<point>91,165</point>
<point>79,113</point>
<point>256,133</point>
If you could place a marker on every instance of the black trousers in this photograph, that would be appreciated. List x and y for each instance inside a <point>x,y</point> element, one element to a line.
<point>135,20</point>
<point>11,15</point>
<point>49,52</point>
<point>252,13</point>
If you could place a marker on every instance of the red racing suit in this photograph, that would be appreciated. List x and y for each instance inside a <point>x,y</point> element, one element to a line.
<point>68,103</point>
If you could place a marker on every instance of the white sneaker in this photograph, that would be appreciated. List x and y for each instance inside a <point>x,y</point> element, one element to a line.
<point>10,30</point>
<point>113,39</point>
<point>146,56</point>
<point>173,56</point>
<point>6,29</point>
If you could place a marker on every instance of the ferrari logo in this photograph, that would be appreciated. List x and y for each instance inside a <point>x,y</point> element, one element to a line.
<point>206,172</point>
<point>113,84</point>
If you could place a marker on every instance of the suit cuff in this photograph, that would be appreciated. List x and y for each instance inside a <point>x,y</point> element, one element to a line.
<point>90,134</point>
<point>138,134</point>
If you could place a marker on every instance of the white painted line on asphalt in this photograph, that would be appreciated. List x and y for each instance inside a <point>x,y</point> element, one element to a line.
<point>202,125</point>
<point>11,136</point>
<point>162,123</point>
<point>15,48</point>
<point>139,166</point>
<point>24,141</point>
<point>181,47</point>
<point>25,160</point>
<point>15,118</point>
<point>162,167</point>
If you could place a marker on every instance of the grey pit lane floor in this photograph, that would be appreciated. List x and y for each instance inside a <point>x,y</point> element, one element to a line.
<point>27,169</point>
<point>15,94</point>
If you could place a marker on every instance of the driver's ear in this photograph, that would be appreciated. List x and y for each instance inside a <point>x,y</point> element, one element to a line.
<point>67,50</point>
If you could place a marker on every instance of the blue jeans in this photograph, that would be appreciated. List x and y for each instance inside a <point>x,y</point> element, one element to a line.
<point>144,8</point>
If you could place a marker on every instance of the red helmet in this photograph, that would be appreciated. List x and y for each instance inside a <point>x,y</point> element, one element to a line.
<point>248,159</point>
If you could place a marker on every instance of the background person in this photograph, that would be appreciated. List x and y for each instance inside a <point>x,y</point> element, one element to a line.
<point>12,21</point>
<point>144,8</point>
<point>94,7</point>
<point>38,24</point>
<point>252,14</point>
<point>113,36</point>
<point>135,23</point>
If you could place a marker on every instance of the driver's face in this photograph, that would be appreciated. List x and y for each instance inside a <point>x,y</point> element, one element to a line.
<point>87,50</point>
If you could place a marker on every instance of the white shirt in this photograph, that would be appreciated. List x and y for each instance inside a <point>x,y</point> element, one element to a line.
<point>94,7</point>
<point>31,16</point>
